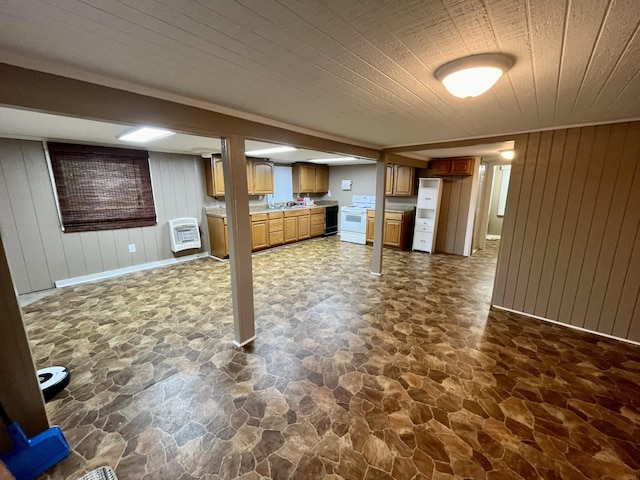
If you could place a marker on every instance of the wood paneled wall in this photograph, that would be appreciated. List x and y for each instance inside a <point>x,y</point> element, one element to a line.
<point>40,253</point>
<point>570,243</point>
<point>459,198</point>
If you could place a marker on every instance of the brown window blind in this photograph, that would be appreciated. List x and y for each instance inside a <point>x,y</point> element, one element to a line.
<point>102,188</point>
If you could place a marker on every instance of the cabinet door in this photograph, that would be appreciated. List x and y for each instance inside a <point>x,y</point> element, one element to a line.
<point>428,198</point>
<point>290,229</point>
<point>370,225</point>
<point>462,166</point>
<point>259,235</point>
<point>322,179</point>
<point>393,232</point>
<point>388,189</point>
<point>262,177</point>
<point>250,178</point>
<point>404,180</point>
<point>440,167</point>
<point>307,183</point>
<point>218,177</point>
<point>303,226</point>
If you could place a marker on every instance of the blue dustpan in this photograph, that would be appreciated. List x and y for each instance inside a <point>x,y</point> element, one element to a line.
<point>29,457</point>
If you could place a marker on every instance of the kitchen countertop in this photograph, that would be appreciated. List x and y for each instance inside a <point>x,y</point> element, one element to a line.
<point>221,212</point>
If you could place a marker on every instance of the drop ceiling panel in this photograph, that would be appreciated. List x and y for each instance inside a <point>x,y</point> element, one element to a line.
<point>355,69</point>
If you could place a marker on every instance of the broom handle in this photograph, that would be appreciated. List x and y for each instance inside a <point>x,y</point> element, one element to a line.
<point>4,416</point>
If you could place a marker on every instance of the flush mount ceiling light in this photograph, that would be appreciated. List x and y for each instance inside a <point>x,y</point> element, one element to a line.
<point>144,134</point>
<point>267,151</point>
<point>474,75</point>
<point>508,154</point>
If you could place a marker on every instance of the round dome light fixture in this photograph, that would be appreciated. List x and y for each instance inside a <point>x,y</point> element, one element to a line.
<point>507,154</point>
<point>472,76</point>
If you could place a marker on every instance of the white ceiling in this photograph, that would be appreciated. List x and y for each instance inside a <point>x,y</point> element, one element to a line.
<point>357,69</point>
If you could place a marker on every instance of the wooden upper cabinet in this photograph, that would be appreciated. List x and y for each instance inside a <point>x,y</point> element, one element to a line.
<point>452,166</point>
<point>401,180</point>
<point>404,181</point>
<point>322,179</point>
<point>214,177</point>
<point>389,182</point>
<point>262,177</point>
<point>309,178</point>
<point>259,176</point>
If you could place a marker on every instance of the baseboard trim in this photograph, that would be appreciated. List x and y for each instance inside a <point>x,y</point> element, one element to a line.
<point>574,327</point>
<point>122,271</point>
<point>237,344</point>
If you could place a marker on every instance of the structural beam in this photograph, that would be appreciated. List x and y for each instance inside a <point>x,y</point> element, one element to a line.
<point>378,226</point>
<point>234,168</point>
<point>451,143</point>
<point>19,387</point>
<point>408,161</point>
<point>45,92</point>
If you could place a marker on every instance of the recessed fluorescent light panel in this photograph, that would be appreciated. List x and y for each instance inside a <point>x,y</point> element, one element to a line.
<point>267,151</point>
<point>145,134</point>
<point>331,160</point>
<point>508,154</point>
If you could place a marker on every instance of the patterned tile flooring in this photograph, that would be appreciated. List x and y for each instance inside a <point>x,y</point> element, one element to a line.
<point>352,376</point>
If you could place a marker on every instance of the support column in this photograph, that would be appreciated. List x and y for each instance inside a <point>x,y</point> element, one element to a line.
<point>239,227</point>
<point>378,226</point>
<point>19,388</point>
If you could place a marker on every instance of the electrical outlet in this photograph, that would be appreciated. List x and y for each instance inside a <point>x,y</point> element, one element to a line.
<point>132,248</point>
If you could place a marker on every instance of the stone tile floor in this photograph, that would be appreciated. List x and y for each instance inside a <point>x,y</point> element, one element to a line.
<point>352,376</point>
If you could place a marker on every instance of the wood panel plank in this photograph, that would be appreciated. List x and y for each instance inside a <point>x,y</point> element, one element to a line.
<point>601,212</point>
<point>508,226</point>
<point>464,203</point>
<point>121,240</point>
<point>627,323</point>
<point>538,181</point>
<point>91,252</point>
<point>8,228</point>
<point>583,223</point>
<point>73,254</point>
<point>161,229</point>
<point>26,221</point>
<point>443,218</point>
<point>548,201</point>
<point>608,278</point>
<point>45,209</point>
<point>569,224</point>
<point>150,243</point>
<point>559,211</point>
<point>136,238</point>
<point>179,185</point>
<point>634,328</point>
<point>521,214</point>
<point>108,250</point>
<point>452,216</point>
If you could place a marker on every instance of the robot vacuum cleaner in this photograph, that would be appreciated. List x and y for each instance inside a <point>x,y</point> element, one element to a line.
<point>53,380</point>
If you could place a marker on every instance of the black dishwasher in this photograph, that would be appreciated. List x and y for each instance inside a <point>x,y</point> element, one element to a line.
<point>331,220</point>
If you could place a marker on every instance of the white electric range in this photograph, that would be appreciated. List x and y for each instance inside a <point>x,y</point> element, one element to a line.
<point>353,219</point>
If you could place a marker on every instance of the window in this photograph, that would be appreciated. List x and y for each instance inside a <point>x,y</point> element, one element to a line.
<point>102,188</point>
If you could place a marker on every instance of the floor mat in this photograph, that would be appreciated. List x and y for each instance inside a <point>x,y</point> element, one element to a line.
<point>102,473</point>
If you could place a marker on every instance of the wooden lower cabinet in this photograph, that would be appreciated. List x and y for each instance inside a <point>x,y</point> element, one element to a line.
<point>276,229</point>
<point>218,237</point>
<point>397,229</point>
<point>259,232</point>
<point>269,229</point>
<point>317,222</point>
<point>290,229</point>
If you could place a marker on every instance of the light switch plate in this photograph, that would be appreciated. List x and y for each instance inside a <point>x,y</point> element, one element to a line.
<point>132,248</point>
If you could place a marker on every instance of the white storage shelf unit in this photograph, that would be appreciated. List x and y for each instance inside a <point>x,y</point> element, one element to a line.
<point>427,210</point>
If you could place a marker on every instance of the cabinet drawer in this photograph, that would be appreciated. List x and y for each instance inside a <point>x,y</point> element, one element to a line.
<point>317,230</point>
<point>276,238</point>
<point>429,222</point>
<point>276,225</point>
<point>274,215</point>
<point>393,216</point>
<point>258,217</point>
<point>424,228</point>
<point>317,210</point>
<point>317,219</point>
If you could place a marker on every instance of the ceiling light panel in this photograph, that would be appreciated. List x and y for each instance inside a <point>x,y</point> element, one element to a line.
<point>144,134</point>
<point>267,151</point>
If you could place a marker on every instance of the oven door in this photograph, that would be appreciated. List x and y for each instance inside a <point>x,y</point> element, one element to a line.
<point>353,220</point>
